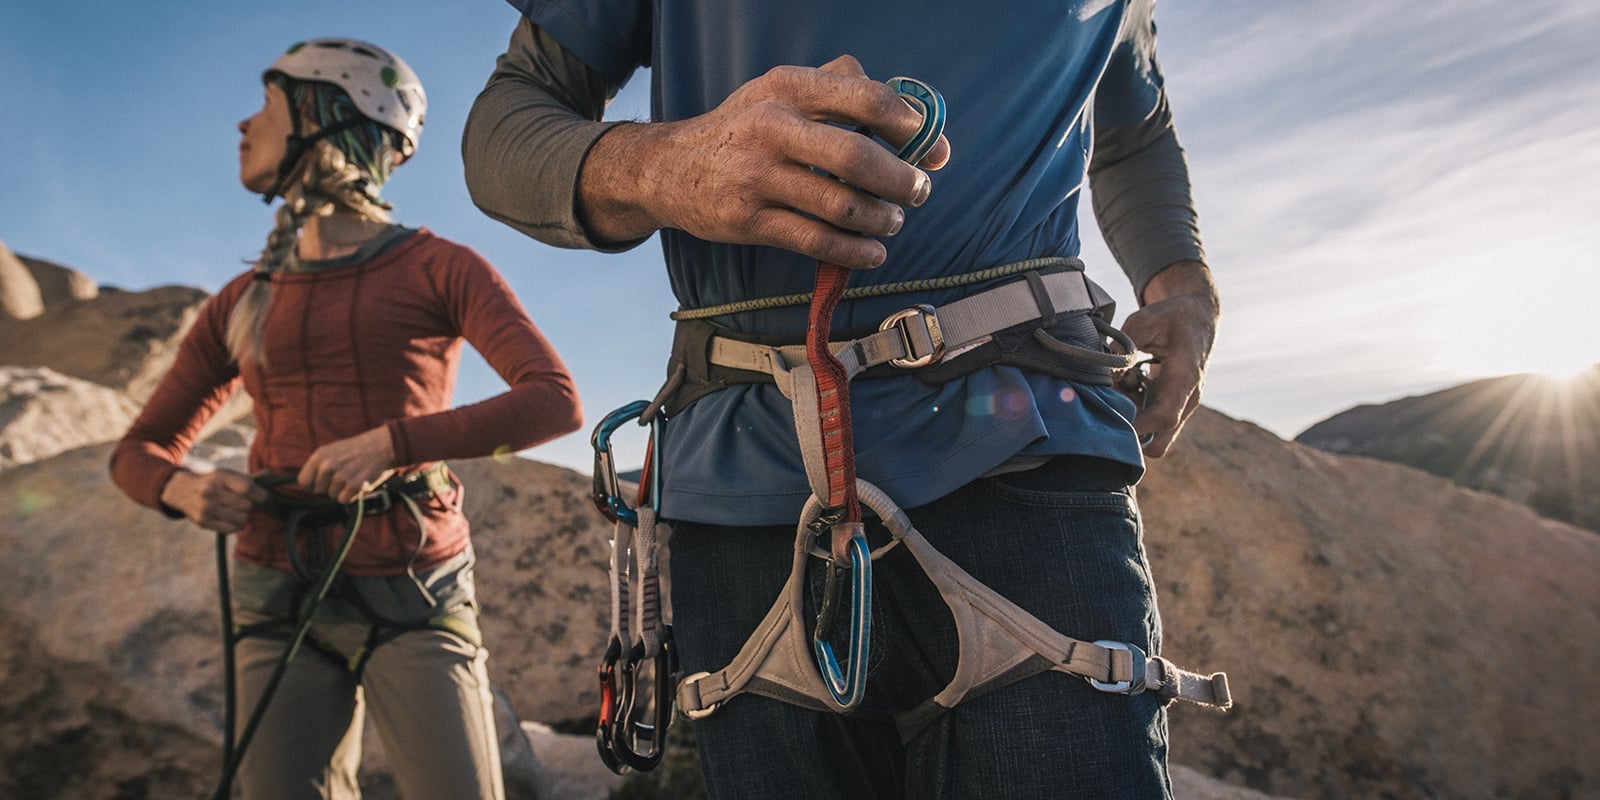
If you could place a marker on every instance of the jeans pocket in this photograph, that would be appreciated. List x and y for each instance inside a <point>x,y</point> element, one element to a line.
<point>1067,482</point>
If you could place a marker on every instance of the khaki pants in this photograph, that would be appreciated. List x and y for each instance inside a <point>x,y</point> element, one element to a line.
<point>426,692</point>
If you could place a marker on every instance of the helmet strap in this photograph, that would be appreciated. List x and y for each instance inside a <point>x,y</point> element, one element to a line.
<point>294,146</point>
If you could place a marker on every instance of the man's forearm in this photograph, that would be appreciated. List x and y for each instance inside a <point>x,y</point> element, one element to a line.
<point>527,136</point>
<point>1142,200</point>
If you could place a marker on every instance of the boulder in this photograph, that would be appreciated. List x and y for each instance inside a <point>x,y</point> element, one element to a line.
<point>19,291</point>
<point>43,412</point>
<point>125,340</point>
<point>59,285</point>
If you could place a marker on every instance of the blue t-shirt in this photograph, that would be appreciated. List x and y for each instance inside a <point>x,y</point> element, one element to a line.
<point>1022,84</point>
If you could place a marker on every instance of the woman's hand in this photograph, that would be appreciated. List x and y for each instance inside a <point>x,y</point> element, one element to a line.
<point>218,501</point>
<point>349,468</point>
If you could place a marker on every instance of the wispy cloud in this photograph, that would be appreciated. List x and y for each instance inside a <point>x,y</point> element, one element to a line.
<point>1393,200</point>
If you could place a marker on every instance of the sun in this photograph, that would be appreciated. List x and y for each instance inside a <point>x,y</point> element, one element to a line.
<point>1568,375</point>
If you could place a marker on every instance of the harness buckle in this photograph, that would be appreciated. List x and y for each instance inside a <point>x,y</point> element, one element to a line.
<point>379,501</point>
<point>1135,683</point>
<point>926,339</point>
<point>691,683</point>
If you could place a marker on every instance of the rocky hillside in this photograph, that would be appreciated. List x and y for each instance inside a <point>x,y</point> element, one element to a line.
<point>1388,634</point>
<point>1530,438</point>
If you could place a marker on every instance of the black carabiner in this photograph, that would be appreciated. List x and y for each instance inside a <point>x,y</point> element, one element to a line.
<point>613,697</point>
<point>631,732</point>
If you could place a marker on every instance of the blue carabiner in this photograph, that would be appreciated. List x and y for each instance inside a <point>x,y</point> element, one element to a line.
<point>848,689</point>
<point>607,487</point>
<point>930,104</point>
<point>848,684</point>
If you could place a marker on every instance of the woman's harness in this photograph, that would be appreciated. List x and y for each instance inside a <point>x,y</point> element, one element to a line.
<point>1000,642</point>
<point>318,576</point>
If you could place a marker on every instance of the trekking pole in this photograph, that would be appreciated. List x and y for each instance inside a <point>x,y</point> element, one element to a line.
<point>307,613</point>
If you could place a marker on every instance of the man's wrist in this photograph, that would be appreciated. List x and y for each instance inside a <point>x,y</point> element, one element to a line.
<point>1181,278</point>
<point>614,181</point>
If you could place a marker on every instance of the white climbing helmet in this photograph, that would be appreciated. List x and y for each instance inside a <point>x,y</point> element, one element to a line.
<point>384,88</point>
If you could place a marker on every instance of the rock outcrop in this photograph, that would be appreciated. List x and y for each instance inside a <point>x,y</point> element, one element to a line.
<point>122,340</point>
<point>19,292</point>
<point>43,412</point>
<point>1387,633</point>
<point>125,340</point>
<point>59,285</point>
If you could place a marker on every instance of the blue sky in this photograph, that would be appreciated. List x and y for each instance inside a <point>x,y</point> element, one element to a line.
<point>1393,201</point>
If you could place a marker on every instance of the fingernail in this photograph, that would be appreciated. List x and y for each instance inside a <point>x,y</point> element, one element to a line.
<point>923,189</point>
<point>899,220</point>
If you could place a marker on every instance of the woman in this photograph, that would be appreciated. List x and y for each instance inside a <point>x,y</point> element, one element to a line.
<point>347,334</point>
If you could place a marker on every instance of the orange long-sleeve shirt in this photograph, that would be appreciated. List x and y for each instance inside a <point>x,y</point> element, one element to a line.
<point>349,349</point>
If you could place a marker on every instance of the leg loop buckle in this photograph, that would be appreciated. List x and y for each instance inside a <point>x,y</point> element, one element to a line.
<point>1136,669</point>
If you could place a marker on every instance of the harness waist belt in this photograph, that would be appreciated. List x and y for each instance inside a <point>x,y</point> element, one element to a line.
<point>417,486</point>
<point>922,335</point>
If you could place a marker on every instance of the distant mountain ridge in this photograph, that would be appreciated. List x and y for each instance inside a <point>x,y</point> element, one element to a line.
<point>1528,438</point>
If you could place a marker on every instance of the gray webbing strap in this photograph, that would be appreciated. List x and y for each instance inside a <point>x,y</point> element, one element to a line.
<point>924,331</point>
<point>635,573</point>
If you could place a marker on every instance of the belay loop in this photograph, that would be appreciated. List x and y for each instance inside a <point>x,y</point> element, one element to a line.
<point>641,641</point>
<point>848,551</point>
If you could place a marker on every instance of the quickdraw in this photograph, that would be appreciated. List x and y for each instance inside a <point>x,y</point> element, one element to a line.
<point>640,647</point>
<point>848,553</point>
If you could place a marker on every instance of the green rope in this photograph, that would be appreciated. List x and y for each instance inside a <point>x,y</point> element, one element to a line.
<point>922,285</point>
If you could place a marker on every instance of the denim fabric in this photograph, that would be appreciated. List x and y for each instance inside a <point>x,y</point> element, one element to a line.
<point>1063,541</point>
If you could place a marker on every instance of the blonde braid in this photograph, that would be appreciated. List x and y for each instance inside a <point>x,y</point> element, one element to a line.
<point>326,183</point>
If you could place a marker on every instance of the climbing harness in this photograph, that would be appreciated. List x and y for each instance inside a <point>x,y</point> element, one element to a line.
<point>1000,643</point>
<point>305,519</point>
<point>912,339</point>
<point>641,640</point>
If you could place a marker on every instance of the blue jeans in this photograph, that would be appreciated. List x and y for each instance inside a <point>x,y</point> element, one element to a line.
<point>1062,541</point>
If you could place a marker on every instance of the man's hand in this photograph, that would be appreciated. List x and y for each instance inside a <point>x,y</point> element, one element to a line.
<point>218,501</point>
<point>766,168</point>
<point>1177,325</point>
<point>348,468</point>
